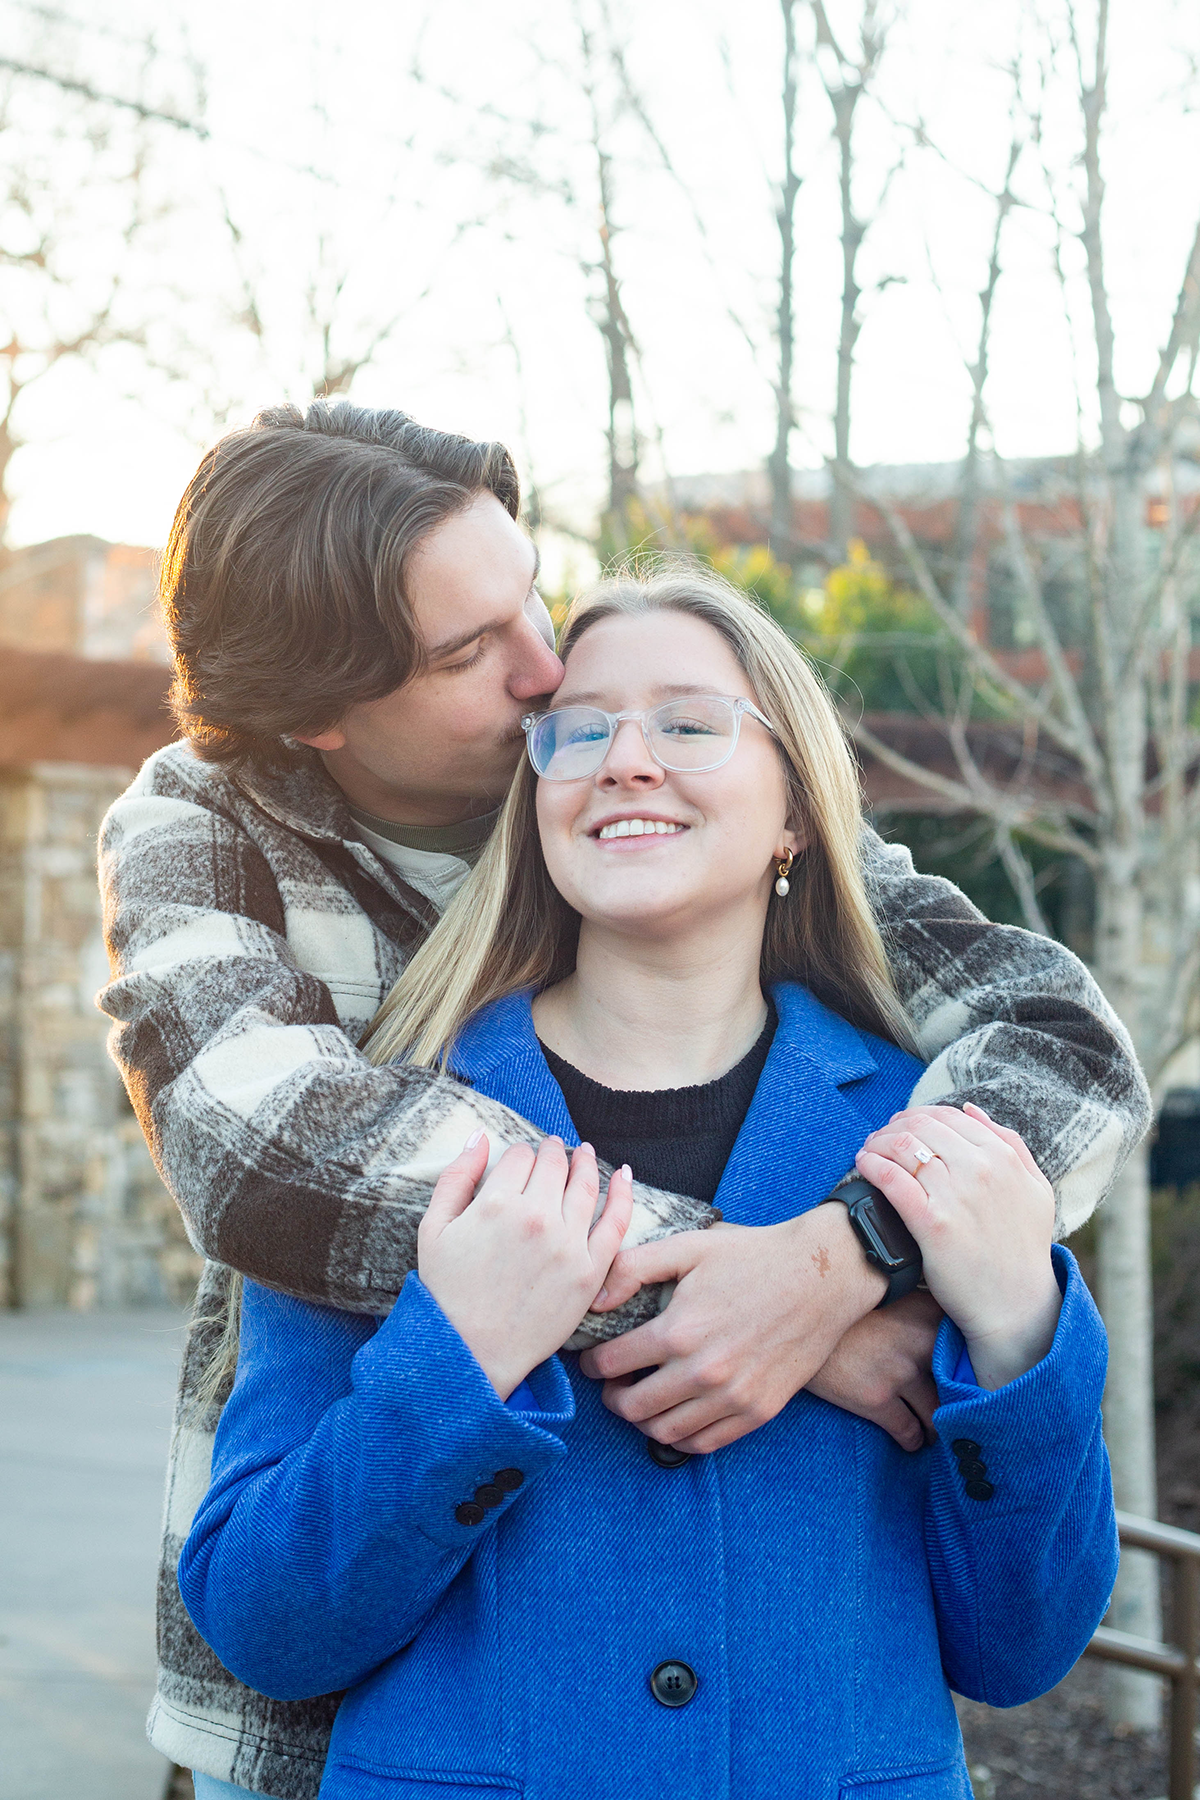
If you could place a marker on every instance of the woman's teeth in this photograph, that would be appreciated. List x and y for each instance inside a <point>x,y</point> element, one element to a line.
<point>639,828</point>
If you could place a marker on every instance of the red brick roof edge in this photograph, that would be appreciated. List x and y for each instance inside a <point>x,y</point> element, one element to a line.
<point>56,708</point>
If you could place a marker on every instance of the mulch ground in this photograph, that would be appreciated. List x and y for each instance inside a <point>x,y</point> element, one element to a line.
<point>1060,1747</point>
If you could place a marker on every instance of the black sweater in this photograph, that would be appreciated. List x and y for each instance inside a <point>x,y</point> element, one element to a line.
<point>673,1138</point>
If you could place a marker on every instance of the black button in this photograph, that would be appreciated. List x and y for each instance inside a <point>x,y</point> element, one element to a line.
<point>489,1494</point>
<point>468,1513</point>
<point>508,1480</point>
<point>972,1470</point>
<point>673,1684</point>
<point>980,1490</point>
<point>667,1456</point>
<point>965,1447</point>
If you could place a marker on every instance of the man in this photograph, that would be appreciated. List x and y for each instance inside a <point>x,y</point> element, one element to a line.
<point>357,633</point>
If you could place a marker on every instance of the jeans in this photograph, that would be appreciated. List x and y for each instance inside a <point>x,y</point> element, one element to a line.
<point>209,1788</point>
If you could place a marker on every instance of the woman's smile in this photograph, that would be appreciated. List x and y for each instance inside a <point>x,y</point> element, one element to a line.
<point>635,826</point>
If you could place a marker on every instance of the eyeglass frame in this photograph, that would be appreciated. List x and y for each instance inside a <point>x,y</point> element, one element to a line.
<point>736,702</point>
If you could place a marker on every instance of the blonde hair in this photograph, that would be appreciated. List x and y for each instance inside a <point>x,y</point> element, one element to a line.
<point>508,928</point>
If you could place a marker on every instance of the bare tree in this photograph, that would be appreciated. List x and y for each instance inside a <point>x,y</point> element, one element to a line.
<point>575,161</point>
<point>320,334</point>
<point>314,333</point>
<point>780,461</point>
<point>77,208</point>
<point>620,348</point>
<point>847,74</point>
<point>1113,702</point>
<point>318,331</point>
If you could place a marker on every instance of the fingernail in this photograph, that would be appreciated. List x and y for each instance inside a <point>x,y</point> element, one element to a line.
<point>473,1140</point>
<point>590,1148</point>
<point>626,1171</point>
<point>602,1295</point>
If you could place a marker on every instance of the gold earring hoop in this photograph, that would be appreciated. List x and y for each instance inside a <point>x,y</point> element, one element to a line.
<point>785,868</point>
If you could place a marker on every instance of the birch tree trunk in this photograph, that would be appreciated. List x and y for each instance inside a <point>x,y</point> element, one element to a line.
<point>1121,651</point>
<point>841,503</point>
<point>779,463</point>
<point>1126,1301</point>
<point>846,75</point>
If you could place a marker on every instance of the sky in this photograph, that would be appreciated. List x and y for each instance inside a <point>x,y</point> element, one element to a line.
<point>429,169</point>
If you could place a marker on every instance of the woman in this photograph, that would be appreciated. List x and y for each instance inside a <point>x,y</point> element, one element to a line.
<point>666,944</point>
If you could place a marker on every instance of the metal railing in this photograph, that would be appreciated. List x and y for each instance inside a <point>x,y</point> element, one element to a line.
<point>1177,1661</point>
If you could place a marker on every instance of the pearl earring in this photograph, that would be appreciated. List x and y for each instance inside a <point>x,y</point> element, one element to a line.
<point>785,868</point>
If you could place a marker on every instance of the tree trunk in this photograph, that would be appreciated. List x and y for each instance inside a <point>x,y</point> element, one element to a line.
<point>841,504</point>
<point>617,525</point>
<point>779,464</point>
<point>1126,1301</point>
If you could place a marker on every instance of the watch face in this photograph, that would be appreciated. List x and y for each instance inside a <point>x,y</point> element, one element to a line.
<point>887,1241</point>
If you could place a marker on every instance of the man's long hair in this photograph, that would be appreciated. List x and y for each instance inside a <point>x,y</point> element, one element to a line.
<point>283,580</point>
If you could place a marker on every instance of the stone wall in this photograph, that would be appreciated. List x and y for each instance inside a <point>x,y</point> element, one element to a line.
<point>84,1219</point>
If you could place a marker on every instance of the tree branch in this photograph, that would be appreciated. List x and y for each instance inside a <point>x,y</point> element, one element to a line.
<point>1065,685</point>
<point>1184,333</point>
<point>978,654</point>
<point>85,90</point>
<point>984,801</point>
<point>1016,867</point>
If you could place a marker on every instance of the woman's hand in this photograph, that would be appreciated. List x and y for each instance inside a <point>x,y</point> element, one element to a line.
<point>515,1267</point>
<point>983,1214</point>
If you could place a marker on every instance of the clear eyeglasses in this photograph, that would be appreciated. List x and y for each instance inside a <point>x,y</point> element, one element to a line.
<point>688,737</point>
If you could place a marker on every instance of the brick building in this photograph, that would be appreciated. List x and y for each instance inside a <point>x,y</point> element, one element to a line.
<point>733,510</point>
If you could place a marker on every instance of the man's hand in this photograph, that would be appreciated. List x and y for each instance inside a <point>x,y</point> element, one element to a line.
<point>757,1311</point>
<point>882,1370</point>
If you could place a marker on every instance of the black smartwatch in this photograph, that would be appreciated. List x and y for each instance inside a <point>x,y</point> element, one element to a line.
<point>888,1244</point>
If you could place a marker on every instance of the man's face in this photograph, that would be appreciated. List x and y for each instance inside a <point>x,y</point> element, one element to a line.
<point>444,746</point>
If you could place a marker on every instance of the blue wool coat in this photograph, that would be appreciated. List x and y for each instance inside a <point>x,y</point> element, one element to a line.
<point>826,1588</point>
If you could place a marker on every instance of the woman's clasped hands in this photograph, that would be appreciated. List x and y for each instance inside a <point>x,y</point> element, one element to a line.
<point>515,1266</point>
<point>983,1214</point>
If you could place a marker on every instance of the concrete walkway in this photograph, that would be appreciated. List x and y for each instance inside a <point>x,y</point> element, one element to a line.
<point>85,1414</point>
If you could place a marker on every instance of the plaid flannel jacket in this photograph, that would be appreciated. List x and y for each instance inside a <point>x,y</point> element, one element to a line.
<point>252,937</point>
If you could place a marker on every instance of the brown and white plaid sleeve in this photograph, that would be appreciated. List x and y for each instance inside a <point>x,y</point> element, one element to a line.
<point>1014,1022</point>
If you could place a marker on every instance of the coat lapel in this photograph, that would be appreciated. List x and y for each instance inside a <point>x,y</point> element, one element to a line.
<point>803,1127</point>
<point>819,1094</point>
<point>498,1052</point>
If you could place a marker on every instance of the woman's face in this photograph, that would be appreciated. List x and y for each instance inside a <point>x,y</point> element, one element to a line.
<point>727,827</point>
